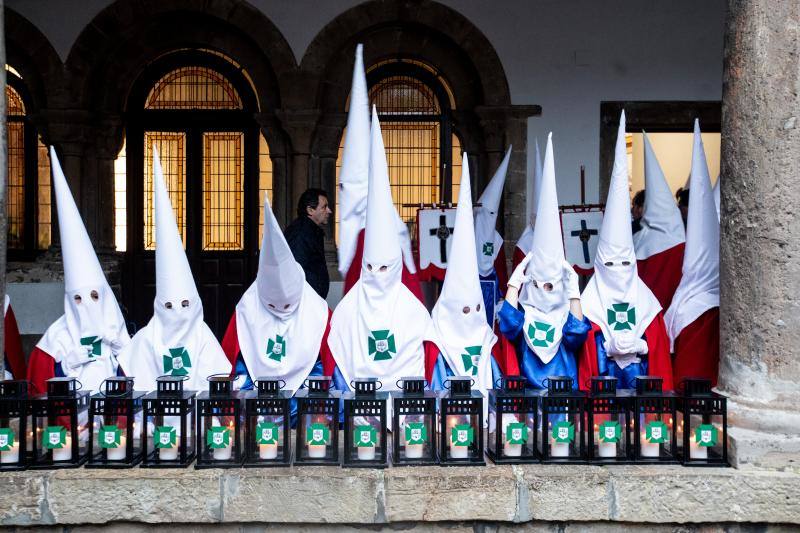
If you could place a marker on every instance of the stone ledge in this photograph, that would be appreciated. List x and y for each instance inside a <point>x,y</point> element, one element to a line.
<point>328,495</point>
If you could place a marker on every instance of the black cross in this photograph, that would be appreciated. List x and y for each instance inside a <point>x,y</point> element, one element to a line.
<point>442,233</point>
<point>584,234</point>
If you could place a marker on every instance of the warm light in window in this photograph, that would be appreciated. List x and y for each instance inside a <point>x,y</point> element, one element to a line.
<point>121,201</point>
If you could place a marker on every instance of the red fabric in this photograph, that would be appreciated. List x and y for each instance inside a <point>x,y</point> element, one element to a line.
<point>41,367</point>
<point>519,255</point>
<point>697,348</point>
<point>662,273</point>
<point>431,354</point>
<point>15,358</point>
<point>501,268</point>
<point>432,272</point>
<point>411,281</point>
<point>658,357</point>
<point>325,355</point>
<point>505,354</point>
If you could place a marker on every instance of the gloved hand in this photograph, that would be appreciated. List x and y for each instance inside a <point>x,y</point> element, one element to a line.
<point>518,277</point>
<point>571,282</point>
<point>75,359</point>
<point>115,345</point>
<point>625,343</point>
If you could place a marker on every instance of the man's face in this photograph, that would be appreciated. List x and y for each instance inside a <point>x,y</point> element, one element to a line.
<point>637,211</point>
<point>321,214</point>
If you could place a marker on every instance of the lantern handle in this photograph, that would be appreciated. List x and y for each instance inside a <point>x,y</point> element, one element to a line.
<point>100,387</point>
<point>379,385</point>
<point>397,383</point>
<point>282,383</point>
<point>183,378</point>
<point>546,382</point>
<point>682,386</point>
<point>80,385</point>
<point>219,375</point>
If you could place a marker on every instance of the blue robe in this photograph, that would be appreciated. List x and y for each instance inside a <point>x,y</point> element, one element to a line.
<point>608,367</point>
<point>564,363</point>
<point>442,371</point>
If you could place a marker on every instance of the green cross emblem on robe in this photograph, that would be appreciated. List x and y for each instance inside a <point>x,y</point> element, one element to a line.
<point>706,435</point>
<point>516,433</point>
<point>541,334</point>
<point>416,433</point>
<point>318,434</point>
<point>6,439</point>
<point>488,249</point>
<point>563,431</point>
<point>267,433</point>
<point>381,345</point>
<point>365,436</point>
<point>609,431</point>
<point>462,435</point>
<point>656,432</point>
<point>93,346</point>
<point>470,359</point>
<point>54,437</point>
<point>276,349</point>
<point>621,316</point>
<point>109,437</point>
<point>218,437</point>
<point>165,437</point>
<point>177,362</point>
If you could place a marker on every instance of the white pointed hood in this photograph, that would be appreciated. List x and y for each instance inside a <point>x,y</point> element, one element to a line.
<point>459,320</point>
<point>615,298</point>
<point>717,197</point>
<point>176,341</point>
<point>487,240</point>
<point>533,186</point>
<point>280,320</point>
<point>546,312</point>
<point>378,328</point>
<point>88,336</point>
<point>698,290</point>
<point>662,225</point>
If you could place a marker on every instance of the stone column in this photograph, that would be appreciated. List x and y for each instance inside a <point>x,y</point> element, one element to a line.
<point>759,246</point>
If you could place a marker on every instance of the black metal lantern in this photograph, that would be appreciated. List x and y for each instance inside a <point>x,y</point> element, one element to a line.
<point>115,440</point>
<point>608,422</point>
<point>513,422</point>
<point>704,423</point>
<point>414,423</point>
<point>219,424</point>
<point>654,429</point>
<point>317,423</point>
<point>562,435</point>
<point>169,421</point>
<point>267,429</point>
<point>365,424</point>
<point>60,425</point>
<point>461,424</point>
<point>15,425</point>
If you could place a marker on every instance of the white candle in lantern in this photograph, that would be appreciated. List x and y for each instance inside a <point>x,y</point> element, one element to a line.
<point>648,449</point>
<point>366,453</point>
<point>558,449</point>
<point>318,451</point>
<point>456,452</point>
<point>118,453</point>
<point>606,449</point>
<point>509,449</point>
<point>413,451</point>
<point>268,451</point>
<point>168,454</point>
<point>695,450</point>
<point>224,453</point>
<point>64,453</point>
<point>10,456</point>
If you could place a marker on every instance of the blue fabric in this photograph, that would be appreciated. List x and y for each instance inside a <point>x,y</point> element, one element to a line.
<point>609,367</point>
<point>564,363</point>
<point>442,371</point>
<point>490,290</point>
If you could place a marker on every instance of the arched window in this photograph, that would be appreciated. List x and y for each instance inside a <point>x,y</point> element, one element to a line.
<point>28,194</point>
<point>422,150</point>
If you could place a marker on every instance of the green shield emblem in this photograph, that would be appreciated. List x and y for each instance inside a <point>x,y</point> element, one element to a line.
<point>470,359</point>
<point>517,433</point>
<point>364,436</point>
<point>318,434</point>
<point>165,437</point>
<point>218,437</point>
<point>177,362</point>
<point>621,316</point>
<point>563,431</point>
<point>93,346</point>
<point>109,437</point>
<point>416,433</point>
<point>706,435</point>
<point>462,435</point>
<point>656,432</point>
<point>276,348</point>
<point>381,345</point>
<point>541,334</point>
<point>54,437</point>
<point>488,249</point>
<point>609,431</point>
<point>6,439</point>
<point>266,433</point>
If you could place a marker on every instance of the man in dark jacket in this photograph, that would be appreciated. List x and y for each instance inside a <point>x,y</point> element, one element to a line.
<point>307,239</point>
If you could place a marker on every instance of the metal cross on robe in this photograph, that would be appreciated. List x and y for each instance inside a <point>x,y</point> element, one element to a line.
<point>584,234</point>
<point>442,233</point>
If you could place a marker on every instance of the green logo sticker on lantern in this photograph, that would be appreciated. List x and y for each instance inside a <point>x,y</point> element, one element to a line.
<point>563,431</point>
<point>541,334</point>
<point>364,436</point>
<point>6,439</point>
<point>109,437</point>
<point>706,435</point>
<point>54,437</point>
<point>470,359</point>
<point>177,362</point>
<point>266,433</point>
<point>276,349</point>
<point>656,432</point>
<point>609,431</point>
<point>621,316</point>
<point>165,437</point>
<point>462,435</point>
<point>218,437</point>
<point>516,433</point>
<point>318,434</point>
<point>381,345</point>
<point>93,346</point>
<point>416,433</point>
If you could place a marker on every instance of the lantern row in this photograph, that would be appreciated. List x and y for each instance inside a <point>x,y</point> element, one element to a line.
<point>221,427</point>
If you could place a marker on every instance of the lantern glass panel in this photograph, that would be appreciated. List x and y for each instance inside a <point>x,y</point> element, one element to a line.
<point>416,434</point>
<point>220,423</point>
<point>513,417</point>
<point>705,412</point>
<point>654,416</point>
<point>219,433</point>
<point>317,423</point>
<point>562,432</point>
<point>414,412</point>
<point>116,423</point>
<point>15,424</point>
<point>169,414</point>
<point>267,432</point>
<point>609,439</point>
<point>461,423</point>
<point>61,424</point>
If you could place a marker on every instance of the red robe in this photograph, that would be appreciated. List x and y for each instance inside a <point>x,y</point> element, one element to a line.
<point>15,358</point>
<point>230,345</point>
<point>697,348</point>
<point>503,352</point>
<point>662,273</point>
<point>411,281</point>
<point>41,367</point>
<point>502,270</point>
<point>659,362</point>
<point>519,255</point>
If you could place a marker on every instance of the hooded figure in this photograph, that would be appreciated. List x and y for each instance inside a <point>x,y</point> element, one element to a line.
<point>465,343</point>
<point>628,338</point>
<point>353,180</point>
<point>548,326</point>
<point>693,318</point>
<point>176,341</point>
<point>659,244</point>
<point>488,242</point>
<point>281,323</point>
<point>85,341</point>
<point>378,328</point>
<point>533,186</point>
